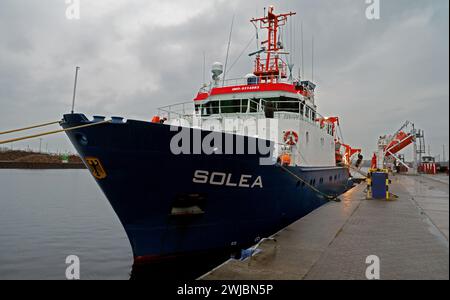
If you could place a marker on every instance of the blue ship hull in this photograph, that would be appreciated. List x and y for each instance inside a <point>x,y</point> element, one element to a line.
<point>145,183</point>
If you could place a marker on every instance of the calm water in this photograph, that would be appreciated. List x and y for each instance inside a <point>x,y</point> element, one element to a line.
<point>47,215</point>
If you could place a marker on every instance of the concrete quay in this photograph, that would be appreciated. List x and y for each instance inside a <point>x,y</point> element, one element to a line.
<point>409,235</point>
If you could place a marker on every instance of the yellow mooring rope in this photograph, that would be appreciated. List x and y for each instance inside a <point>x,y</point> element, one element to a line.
<point>51,132</point>
<point>30,127</point>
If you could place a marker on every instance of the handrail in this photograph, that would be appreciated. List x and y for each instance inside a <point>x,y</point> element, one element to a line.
<point>185,109</point>
<point>216,109</point>
<point>243,81</point>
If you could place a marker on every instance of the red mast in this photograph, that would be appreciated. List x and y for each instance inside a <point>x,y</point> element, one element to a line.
<point>272,67</point>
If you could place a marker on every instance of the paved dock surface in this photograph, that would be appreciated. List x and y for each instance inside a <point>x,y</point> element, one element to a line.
<point>409,235</point>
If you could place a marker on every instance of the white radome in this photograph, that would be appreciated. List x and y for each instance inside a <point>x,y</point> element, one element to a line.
<point>217,69</point>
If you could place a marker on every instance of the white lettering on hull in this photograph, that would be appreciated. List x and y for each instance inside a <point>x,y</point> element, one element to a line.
<point>227,179</point>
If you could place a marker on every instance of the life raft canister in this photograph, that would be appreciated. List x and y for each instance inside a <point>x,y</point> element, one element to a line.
<point>290,138</point>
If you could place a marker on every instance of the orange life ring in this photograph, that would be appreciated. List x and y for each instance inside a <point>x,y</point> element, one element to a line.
<point>290,138</point>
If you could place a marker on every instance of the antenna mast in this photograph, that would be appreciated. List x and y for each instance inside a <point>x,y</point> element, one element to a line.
<point>271,68</point>
<point>312,61</point>
<point>303,62</point>
<point>228,51</point>
<point>204,67</point>
<point>75,88</point>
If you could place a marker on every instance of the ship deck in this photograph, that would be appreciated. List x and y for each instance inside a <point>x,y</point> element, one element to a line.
<point>409,235</point>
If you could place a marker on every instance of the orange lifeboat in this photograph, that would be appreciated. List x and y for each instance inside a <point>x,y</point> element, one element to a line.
<point>401,141</point>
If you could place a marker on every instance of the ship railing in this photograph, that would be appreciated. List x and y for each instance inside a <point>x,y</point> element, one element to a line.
<point>273,64</point>
<point>220,109</point>
<point>244,81</point>
<point>178,110</point>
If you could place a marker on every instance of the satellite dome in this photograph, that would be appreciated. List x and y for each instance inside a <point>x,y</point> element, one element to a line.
<point>217,69</point>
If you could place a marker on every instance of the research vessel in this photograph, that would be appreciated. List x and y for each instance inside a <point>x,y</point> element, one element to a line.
<point>242,160</point>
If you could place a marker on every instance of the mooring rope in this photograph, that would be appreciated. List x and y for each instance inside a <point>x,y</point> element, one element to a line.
<point>51,132</point>
<point>328,197</point>
<point>359,171</point>
<point>30,127</point>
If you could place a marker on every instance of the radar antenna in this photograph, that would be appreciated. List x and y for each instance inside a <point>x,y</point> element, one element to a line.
<point>272,67</point>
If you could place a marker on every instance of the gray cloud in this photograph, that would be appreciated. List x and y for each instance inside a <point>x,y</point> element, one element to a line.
<point>138,55</point>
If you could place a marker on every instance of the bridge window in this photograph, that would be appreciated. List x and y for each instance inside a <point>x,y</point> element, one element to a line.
<point>281,104</point>
<point>230,106</point>
<point>284,104</point>
<point>227,107</point>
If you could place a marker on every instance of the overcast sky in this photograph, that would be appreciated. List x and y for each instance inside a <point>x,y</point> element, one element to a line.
<point>138,55</point>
